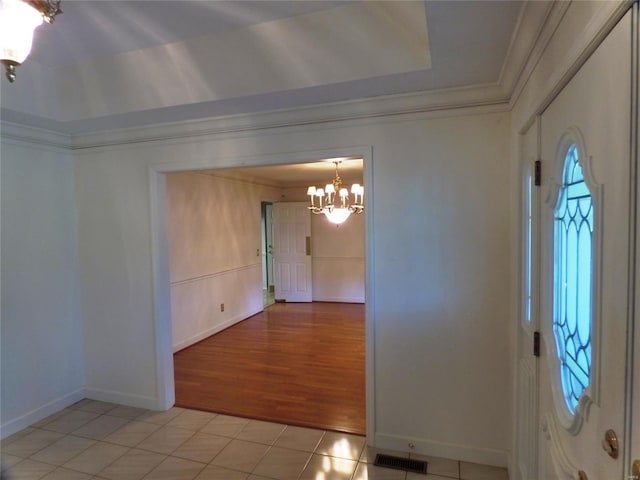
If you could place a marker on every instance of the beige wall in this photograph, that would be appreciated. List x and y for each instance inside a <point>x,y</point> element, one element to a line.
<point>215,232</point>
<point>214,228</point>
<point>338,259</point>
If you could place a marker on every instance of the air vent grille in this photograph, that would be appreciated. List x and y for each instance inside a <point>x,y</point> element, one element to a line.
<point>399,463</point>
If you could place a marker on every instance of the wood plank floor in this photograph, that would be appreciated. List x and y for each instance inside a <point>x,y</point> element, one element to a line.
<point>295,363</point>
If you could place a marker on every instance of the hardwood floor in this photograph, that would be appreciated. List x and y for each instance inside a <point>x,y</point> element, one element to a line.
<point>295,363</point>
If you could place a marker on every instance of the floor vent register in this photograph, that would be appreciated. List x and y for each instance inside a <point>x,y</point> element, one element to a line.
<point>399,463</point>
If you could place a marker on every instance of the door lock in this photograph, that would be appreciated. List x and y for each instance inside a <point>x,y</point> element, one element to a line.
<point>635,470</point>
<point>610,444</point>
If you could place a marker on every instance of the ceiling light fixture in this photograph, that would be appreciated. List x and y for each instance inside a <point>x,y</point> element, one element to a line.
<point>18,21</point>
<point>336,211</point>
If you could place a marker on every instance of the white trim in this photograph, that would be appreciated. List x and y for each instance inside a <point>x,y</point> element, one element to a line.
<point>165,385</point>
<point>631,436</point>
<point>160,261</point>
<point>489,96</point>
<point>221,273</point>
<point>553,17</point>
<point>591,36</point>
<point>121,398</point>
<point>23,421</point>
<point>565,469</point>
<point>465,453</point>
<point>573,422</point>
<point>34,136</point>
<point>370,299</point>
<point>534,19</point>
<point>525,330</point>
<point>339,299</point>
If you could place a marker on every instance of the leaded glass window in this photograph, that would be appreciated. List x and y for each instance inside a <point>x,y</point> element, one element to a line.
<point>573,273</point>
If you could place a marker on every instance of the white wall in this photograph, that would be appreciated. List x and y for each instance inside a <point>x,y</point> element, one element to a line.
<point>42,341</point>
<point>215,238</point>
<point>439,268</point>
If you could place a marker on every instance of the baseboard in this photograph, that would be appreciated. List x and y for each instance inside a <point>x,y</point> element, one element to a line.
<point>339,299</point>
<point>122,398</point>
<point>213,330</point>
<point>37,414</point>
<point>465,453</point>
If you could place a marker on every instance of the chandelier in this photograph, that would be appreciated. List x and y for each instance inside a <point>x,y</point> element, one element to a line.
<point>333,200</point>
<point>18,21</point>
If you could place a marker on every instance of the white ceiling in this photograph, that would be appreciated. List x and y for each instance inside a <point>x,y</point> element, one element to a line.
<point>119,64</point>
<point>105,65</point>
<point>98,28</point>
<point>300,175</point>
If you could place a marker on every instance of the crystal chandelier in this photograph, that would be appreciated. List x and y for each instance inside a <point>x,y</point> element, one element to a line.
<point>333,200</point>
<point>18,21</point>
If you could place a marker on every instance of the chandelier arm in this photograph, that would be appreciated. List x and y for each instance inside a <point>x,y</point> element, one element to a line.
<point>327,198</point>
<point>48,8</point>
<point>10,69</point>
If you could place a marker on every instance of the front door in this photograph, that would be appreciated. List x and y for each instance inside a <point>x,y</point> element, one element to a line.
<point>292,251</point>
<point>585,275</point>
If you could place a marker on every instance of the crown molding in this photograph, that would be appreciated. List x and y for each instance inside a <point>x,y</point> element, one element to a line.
<point>591,36</point>
<point>490,95</point>
<point>34,135</point>
<point>552,18</point>
<point>536,26</point>
<point>534,17</point>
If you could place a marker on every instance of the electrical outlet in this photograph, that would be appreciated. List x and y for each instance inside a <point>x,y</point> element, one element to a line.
<point>222,307</point>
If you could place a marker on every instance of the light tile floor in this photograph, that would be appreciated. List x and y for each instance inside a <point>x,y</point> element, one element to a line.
<point>98,440</point>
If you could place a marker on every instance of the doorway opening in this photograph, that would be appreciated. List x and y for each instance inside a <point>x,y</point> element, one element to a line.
<point>268,278</point>
<point>264,266</point>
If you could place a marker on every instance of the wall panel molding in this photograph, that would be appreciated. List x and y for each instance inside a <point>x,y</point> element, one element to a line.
<point>195,303</point>
<point>216,274</point>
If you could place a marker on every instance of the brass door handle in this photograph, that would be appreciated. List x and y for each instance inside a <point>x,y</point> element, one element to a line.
<point>635,470</point>
<point>610,444</point>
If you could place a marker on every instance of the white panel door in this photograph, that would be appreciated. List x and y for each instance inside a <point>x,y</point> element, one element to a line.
<point>594,111</point>
<point>291,251</point>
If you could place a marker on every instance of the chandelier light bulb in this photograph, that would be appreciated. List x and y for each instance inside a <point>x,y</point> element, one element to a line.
<point>337,215</point>
<point>18,21</point>
<point>336,211</point>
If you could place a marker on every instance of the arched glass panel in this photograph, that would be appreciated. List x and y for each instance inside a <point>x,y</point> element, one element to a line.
<point>573,273</point>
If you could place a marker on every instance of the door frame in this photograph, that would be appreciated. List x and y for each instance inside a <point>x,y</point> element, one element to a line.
<point>527,166</point>
<point>631,441</point>
<point>266,208</point>
<point>165,382</point>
